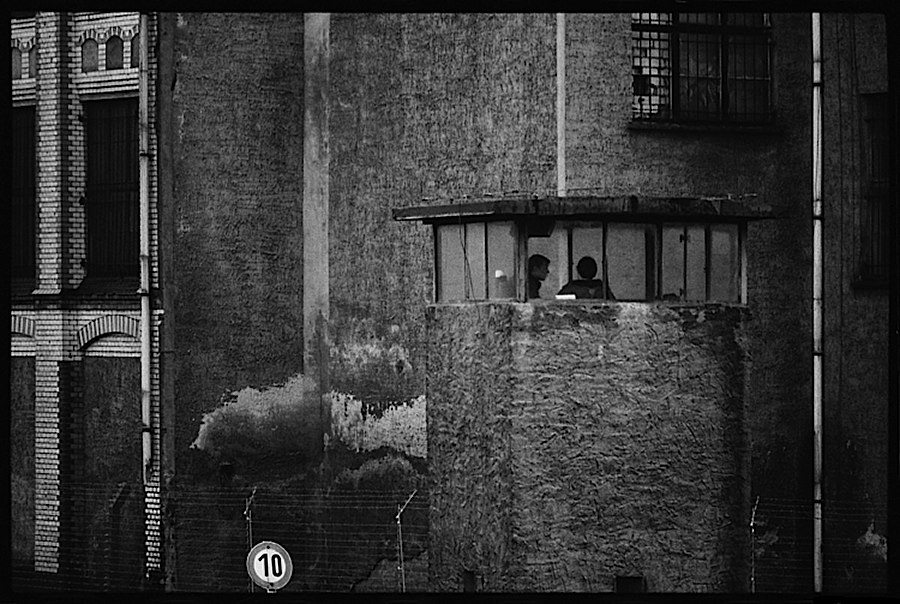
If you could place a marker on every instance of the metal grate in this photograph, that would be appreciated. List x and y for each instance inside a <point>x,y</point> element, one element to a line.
<point>701,67</point>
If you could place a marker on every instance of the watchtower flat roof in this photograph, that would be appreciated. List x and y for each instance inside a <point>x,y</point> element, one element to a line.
<point>725,208</point>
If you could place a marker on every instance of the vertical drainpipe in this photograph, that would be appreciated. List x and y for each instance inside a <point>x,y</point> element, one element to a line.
<point>817,296</point>
<point>561,104</point>
<point>144,290</point>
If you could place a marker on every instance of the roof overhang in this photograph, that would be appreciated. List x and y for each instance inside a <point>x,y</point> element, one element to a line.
<point>631,207</point>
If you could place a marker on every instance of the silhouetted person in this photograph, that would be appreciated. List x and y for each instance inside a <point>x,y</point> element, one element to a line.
<point>587,286</point>
<point>538,269</point>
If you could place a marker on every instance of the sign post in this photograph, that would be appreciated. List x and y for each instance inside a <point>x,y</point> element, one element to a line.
<point>269,566</point>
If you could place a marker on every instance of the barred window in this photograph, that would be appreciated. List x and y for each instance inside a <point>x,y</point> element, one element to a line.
<point>23,206</point>
<point>112,188</point>
<point>874,243</point>
<point>701,67</point>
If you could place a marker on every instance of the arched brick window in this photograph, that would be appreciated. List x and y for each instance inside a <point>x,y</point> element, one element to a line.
<point>114,53</point>
<point>16,63</point>
<point>89,56</point>
<point>32,62</point>
<point>135,51</point>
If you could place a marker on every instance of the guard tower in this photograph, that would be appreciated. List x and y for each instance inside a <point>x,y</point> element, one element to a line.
<point>588,444</point>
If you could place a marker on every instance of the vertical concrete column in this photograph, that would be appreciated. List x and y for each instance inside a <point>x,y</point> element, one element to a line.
<point>52,118</point>
<point>316,52</point>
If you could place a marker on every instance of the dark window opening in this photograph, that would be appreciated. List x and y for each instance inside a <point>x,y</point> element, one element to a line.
<point>112,195</point>
<point>631,585</point>
<point>89,56</point>
<point>874,241</point>
<point>701,67</point>
<point>16,63</point>
<point>135,51</point>
<point>468,580</point>
<point>114,53</point>
<point>23,206</point>
<point>32,62</point>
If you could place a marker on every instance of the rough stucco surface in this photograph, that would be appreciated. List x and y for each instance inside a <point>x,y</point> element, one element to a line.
<point>605,154</point>
<point>236,143</point>
<point>425,106</point>
<point>575,444</point>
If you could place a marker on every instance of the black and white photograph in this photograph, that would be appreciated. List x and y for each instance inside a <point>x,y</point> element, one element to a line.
<point>422,303</point>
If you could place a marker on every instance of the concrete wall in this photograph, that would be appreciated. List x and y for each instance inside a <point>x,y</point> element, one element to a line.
<point>423,106</point>
<point>572,444</point>
<point>856,318</point>
<point>605,154</point>
<point>436,106</point>
<point>233,186</point>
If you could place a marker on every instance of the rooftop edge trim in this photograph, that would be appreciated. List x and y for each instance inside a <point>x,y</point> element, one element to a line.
<point>631,206</point>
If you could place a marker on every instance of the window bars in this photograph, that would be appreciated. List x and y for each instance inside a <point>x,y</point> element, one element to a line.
<point>701,67</point>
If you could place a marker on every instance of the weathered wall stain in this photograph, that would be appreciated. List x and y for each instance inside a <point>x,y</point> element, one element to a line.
<point>234,279</point>
<point>398,426</point>
<point>251,424</point>
<point>571,444</point>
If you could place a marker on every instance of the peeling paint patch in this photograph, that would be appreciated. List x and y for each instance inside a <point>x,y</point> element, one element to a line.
<point>873,543</point>
<point>400,426</point>
<point>251,423</point>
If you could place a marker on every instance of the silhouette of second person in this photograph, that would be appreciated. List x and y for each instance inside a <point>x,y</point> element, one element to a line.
<point>587,286</point>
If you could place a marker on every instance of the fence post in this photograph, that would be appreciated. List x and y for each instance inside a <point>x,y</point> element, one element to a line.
<point>113,531</point>
<point>753,547</point>
<point>400,566</point>
<point>248,516</point>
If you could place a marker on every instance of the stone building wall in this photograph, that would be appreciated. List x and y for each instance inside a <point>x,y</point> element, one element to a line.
<point>233,143</point>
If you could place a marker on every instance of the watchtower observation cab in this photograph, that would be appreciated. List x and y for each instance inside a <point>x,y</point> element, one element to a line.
<point>642,249</point>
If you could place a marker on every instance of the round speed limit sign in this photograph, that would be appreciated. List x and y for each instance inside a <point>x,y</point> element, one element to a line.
<point>269,565</point>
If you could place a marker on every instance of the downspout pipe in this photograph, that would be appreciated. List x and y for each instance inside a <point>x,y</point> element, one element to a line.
<point>144,291</point>
<point>817,296</point>
<point>561,104</point>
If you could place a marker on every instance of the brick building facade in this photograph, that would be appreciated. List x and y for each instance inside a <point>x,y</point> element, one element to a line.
<point>76,315</point>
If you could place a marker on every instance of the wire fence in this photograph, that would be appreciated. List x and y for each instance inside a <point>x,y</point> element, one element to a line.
<point>353,539</point>
<point>338,540</point>
<point>854,550</point>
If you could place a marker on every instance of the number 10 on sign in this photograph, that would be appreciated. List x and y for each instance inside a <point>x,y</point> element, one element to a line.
<point>269,565</point>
